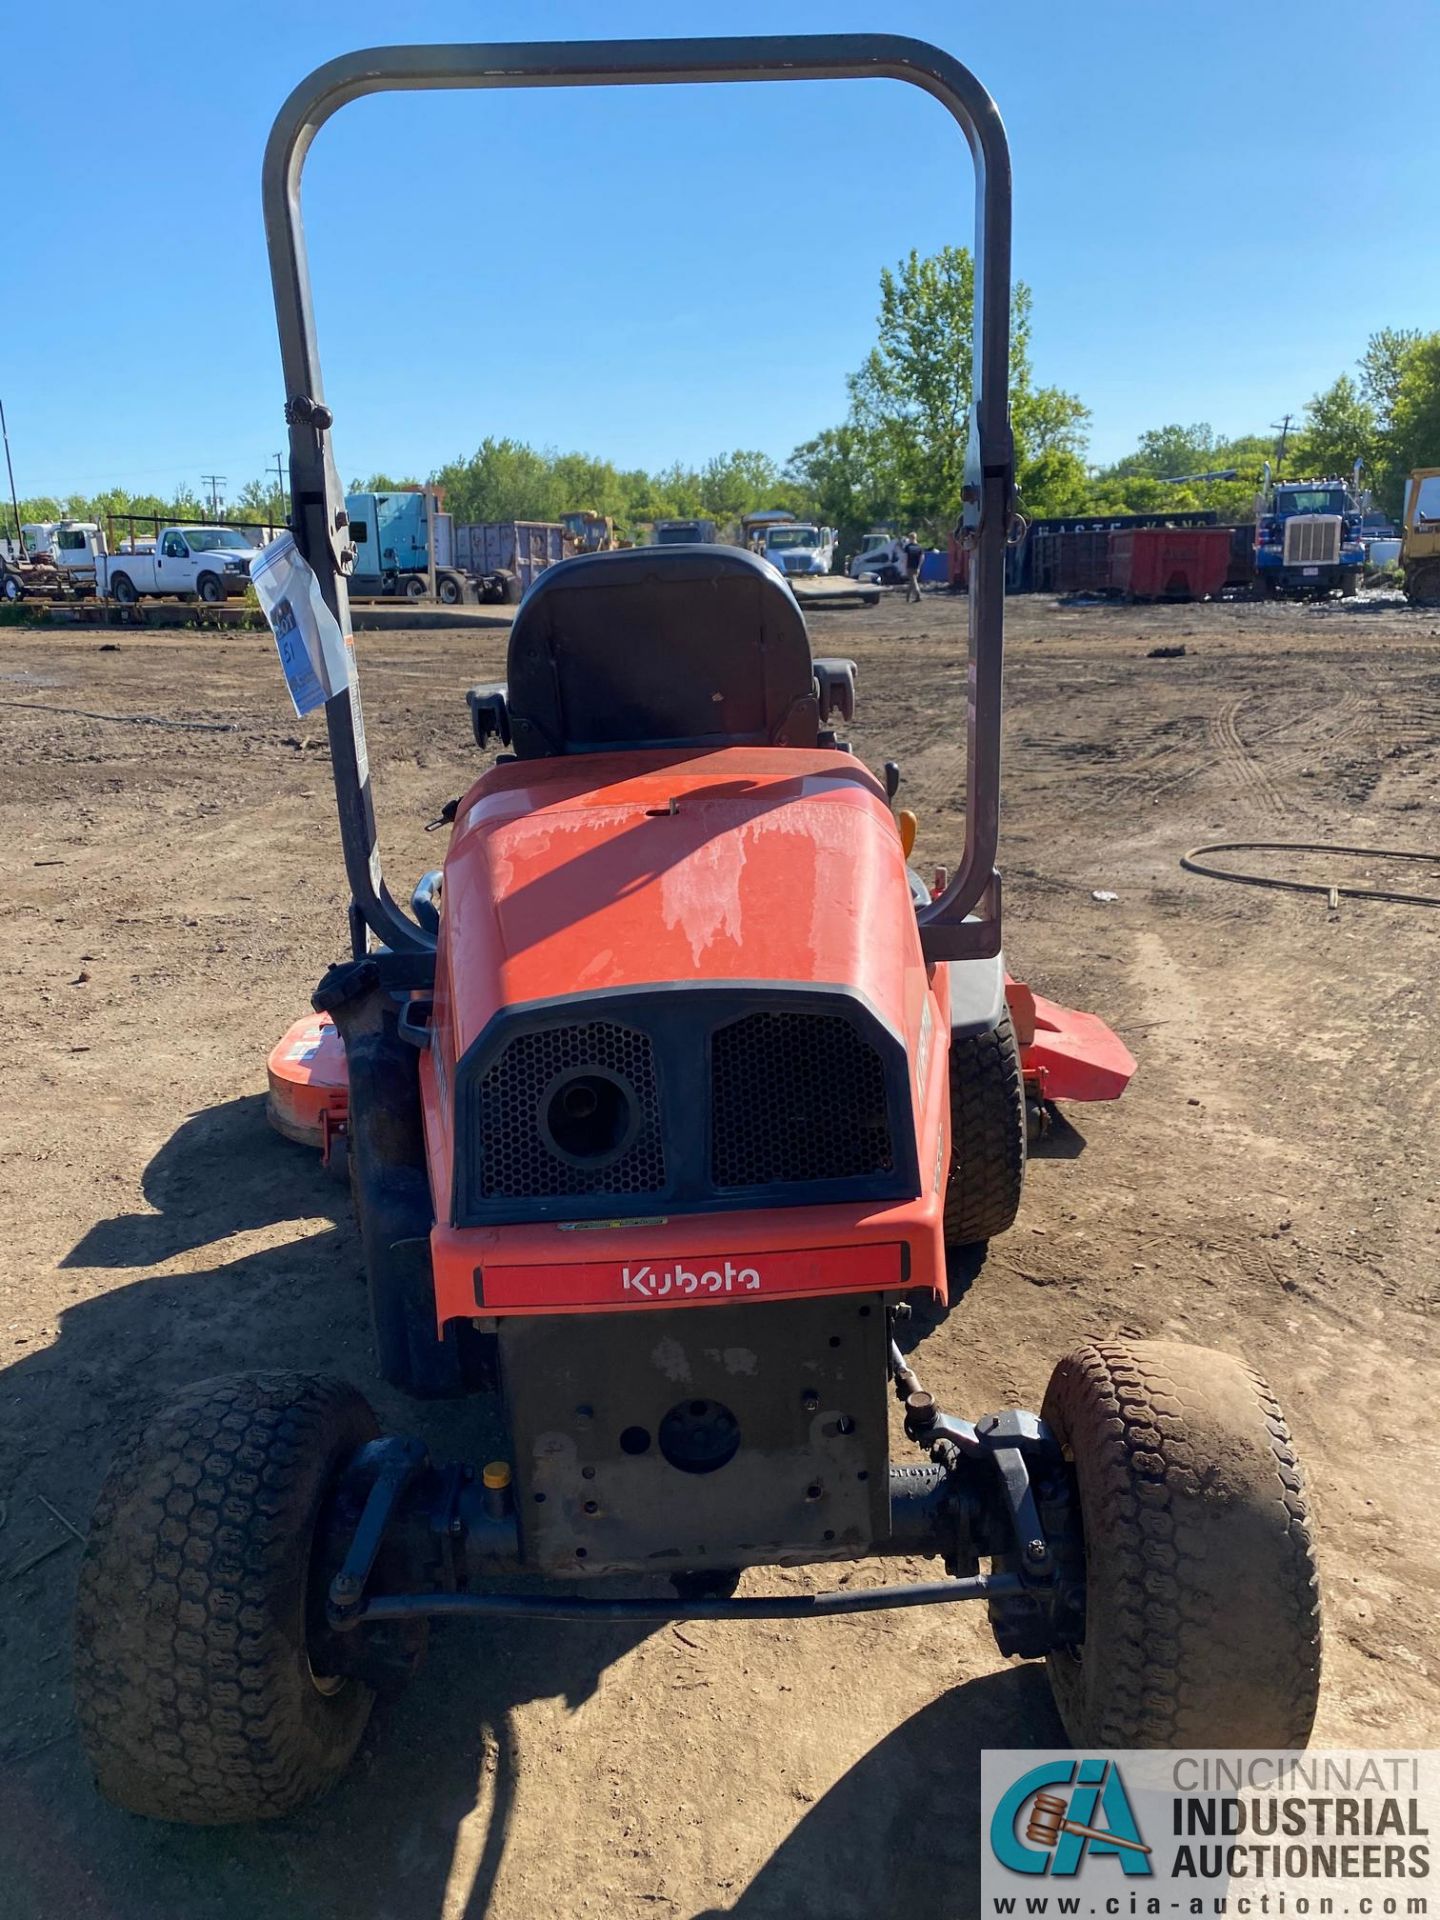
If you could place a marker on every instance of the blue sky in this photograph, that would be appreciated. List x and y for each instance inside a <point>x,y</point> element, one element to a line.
<point>1214,206</point>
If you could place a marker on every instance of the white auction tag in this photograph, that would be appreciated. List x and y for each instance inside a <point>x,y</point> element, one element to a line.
<point>314,655</point>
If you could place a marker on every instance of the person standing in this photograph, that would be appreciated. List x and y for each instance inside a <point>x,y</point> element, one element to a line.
<point>914,554</point>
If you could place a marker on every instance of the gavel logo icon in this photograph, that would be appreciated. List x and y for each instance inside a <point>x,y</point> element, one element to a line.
<point>1047,1822</point>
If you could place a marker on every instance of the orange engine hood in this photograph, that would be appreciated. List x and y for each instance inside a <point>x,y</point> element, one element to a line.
<point>607,872</point>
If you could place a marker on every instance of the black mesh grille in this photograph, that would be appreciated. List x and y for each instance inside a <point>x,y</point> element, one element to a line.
<point>797,1096</point>
<point>516,1162</point>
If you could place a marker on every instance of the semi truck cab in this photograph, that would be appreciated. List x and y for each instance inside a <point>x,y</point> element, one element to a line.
<point>1308,538</point>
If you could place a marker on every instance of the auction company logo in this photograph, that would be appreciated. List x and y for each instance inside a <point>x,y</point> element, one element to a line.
<point>1060,1830</point>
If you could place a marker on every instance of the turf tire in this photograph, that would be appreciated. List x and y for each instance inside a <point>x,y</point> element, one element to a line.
<point>1202,1597</point>
<point>987,1135</point>
<point>193,1686</point>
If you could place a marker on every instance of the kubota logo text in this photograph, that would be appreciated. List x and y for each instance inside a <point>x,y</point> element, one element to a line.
<point>655,1283</point>
<point>1060,1827</point>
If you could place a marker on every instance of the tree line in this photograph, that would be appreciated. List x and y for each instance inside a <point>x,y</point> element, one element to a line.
<point>897,458</point>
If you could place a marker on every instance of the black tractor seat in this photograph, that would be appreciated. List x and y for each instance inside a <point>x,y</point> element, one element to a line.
<point>683,646</point>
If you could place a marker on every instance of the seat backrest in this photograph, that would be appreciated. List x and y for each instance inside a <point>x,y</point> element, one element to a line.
<point>687,646</point>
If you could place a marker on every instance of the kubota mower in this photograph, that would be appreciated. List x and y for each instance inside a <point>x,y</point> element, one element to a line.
<point>657,1110</point>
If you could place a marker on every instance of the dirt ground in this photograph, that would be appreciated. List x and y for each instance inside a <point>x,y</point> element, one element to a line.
<point>1268,1184</point>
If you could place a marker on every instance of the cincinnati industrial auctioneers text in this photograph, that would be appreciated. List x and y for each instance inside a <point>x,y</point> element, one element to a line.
<point>1282,1816</point>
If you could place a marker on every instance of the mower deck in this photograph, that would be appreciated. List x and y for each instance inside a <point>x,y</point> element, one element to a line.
<point>1064,1055</point>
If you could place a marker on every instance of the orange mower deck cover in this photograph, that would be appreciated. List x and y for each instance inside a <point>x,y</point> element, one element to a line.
<point>1064,1054</point>
<point>309,1090</point>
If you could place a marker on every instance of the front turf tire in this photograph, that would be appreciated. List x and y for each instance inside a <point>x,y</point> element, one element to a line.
<point>1202,1612</point>
<point>194,1689</point>
<point>987,1135</point>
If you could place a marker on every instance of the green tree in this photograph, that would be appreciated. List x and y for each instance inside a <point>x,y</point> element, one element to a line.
<point>264,500</point>
<point>846,481</point>
<point>382,483</point>
<point>677,493</point>
<point>1117,491</point>
<point>502,480</point>
<point>1175,453</point>
<point>1168,453</point>
<point>1414,436</point>
<point>911,397</point>
<point>1339,428</point>
<point>1382,370</point>
<point>1054,483</point>
<point>742,482</point>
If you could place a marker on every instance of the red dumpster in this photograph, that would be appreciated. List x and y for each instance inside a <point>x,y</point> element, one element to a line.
<point>1169,563</point>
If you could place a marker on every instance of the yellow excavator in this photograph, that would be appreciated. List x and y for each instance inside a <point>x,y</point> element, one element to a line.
<point>1420,549</point>
<point>590,532</point>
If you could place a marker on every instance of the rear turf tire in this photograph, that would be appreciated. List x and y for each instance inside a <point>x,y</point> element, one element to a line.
<point>1202,1597</point>
<point>194,1688</point>
<point>987,1127</point>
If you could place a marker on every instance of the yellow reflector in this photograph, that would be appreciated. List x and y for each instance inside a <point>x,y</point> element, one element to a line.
<point>909,827</point>
<point>496,1474</point>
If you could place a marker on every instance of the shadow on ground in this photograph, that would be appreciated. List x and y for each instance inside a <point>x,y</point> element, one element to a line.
<point>220,1173</point>
<point>900,1832</point>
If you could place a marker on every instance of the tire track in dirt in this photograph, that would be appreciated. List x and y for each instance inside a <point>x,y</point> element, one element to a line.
<point>1407,713</point>
<point>1235,758</point>
<point>1181,756</point>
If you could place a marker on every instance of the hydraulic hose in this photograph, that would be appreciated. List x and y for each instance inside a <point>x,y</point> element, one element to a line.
<point>1193,863</point>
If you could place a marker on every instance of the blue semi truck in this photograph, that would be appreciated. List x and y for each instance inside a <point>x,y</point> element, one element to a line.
<point>487,561</point>
<point>391,536</point>
<point>1308,538</point>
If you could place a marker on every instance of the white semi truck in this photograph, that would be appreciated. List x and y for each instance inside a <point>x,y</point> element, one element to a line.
<point>794,546</point>
<point>51,559</point>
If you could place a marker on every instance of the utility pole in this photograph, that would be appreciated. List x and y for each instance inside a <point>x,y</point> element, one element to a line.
<point>280,486</point>
<point>1282,427</point>
<point>214,481</point>
<point>5,432</point>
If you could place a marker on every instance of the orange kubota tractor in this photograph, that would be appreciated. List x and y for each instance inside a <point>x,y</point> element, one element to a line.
<point>658,1108</point>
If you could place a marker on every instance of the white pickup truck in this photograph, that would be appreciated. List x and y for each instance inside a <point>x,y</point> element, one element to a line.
<point>209,562</point>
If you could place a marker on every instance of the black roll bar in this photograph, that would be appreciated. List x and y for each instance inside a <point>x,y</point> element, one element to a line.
<point>965,920</point>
